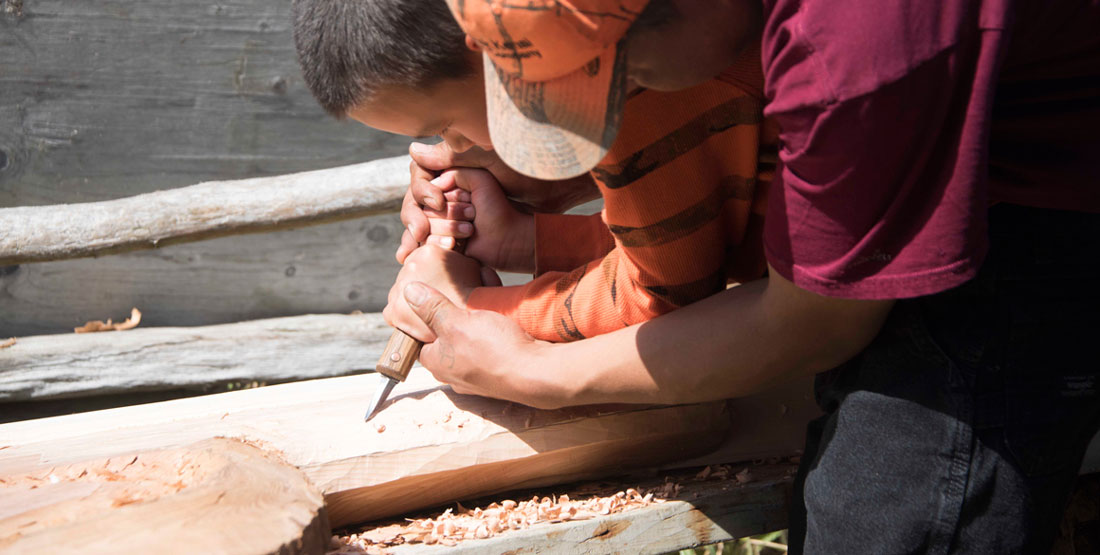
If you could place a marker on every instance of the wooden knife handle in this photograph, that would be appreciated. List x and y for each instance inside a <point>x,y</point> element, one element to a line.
<point>401,350</point>
<point>399,355</point>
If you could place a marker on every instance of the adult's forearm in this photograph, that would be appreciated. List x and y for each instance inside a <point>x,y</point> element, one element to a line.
<point>732,344</point>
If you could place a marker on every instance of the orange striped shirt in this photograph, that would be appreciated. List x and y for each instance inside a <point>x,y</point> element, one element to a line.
<point>682,217</point>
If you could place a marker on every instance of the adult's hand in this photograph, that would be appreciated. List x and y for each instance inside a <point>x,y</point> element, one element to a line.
<point>731,344</point>
<point>479,352</point>
<point>447,271</point>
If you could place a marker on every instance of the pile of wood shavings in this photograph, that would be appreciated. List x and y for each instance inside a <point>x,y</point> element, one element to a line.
<point>450,527</point>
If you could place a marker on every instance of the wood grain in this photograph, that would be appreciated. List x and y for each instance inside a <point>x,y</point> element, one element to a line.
<point>161,359</point>
<point>111,98</point>
<point>427,446</point>
<point>203,211</point>
<point>217,496</point>
<point>104,99</point>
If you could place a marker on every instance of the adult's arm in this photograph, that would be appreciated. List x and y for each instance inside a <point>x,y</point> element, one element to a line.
<point>734,343</point>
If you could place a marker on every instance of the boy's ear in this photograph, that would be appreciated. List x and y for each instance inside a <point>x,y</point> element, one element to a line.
<point>472,45</point>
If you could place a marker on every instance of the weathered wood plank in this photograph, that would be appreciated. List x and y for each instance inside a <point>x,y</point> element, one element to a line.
<point>330,268</point>
<point>203,211</point>
<point>427,446</point>
<point>104,99</point>
<point>153,359</point>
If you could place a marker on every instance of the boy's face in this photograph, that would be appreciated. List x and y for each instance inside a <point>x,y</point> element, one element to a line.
<point>453,109</point>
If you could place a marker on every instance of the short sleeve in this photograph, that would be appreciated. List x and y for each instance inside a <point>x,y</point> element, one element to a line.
<point>881,190</point>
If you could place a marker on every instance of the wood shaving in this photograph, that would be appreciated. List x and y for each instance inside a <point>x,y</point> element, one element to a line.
<point>455,525</point>
<point>744,476</point>
<point>7,343</point>
<point>98,325</point>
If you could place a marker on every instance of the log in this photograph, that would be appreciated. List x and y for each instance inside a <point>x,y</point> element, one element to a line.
<point>203,211</point>
<point>217,496</point>
<point>160,359</point>
<point>426,447</point>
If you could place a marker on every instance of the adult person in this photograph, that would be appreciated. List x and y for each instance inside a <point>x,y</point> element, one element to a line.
<point>932,237</point>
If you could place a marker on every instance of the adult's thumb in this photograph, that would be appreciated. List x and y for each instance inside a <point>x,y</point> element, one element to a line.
<point>430,305</point>
<point>435,157</point>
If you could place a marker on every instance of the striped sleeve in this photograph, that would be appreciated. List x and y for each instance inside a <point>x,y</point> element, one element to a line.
<point>678,186</point>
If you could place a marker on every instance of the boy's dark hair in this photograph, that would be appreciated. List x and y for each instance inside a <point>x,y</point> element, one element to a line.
<point>348,49</point>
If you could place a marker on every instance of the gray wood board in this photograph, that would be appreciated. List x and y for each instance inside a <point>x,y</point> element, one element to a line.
<point>331,268</point>
<point>156,359</point>
<point>105,99</point>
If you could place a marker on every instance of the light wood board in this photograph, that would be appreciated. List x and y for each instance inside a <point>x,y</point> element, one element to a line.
<point>435,447</point>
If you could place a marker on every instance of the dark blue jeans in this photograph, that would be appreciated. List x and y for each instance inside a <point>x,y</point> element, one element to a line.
<point>961,428</point>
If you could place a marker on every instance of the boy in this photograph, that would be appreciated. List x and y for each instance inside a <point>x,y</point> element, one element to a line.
<point>679,181</point>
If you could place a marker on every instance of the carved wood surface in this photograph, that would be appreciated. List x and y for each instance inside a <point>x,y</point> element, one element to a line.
<point>427,446</point>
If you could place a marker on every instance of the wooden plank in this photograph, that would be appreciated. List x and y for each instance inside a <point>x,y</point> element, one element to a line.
<point>111,98</point>
<point>428,446</point>
<point>218,496</point>
<point>203,211</point>
<point>273,350</point>
<point>331,268</point>
<point>103,99</point>
<point>705,511</point>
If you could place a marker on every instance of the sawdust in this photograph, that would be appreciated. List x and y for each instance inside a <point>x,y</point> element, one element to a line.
<point>99,325</point>
<point>453,526</point>
<point>7,343</point>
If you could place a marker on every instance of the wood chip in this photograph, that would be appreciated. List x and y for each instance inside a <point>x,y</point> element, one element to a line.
<point>7,343</point>
<point>460,523</point>
<point>98,325</point>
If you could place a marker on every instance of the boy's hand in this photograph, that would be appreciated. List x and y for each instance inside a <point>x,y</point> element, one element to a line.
<point>529,194</point>
<point>452,274</point>
<point>503,238</point>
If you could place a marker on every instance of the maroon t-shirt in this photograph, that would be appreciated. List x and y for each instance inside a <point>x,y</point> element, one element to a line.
<point>902,121</point>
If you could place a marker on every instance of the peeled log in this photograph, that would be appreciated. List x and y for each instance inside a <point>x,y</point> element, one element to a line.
<point>203,211</point>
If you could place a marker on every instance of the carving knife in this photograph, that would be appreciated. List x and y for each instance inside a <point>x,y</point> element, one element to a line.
<point>397,360</point>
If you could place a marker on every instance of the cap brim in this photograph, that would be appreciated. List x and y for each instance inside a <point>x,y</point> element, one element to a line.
<point>560,128</point>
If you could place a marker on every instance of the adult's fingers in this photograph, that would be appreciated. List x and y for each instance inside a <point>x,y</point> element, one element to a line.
<point>431,306</point>
<point>412,215</point>
<point>440,156</point>
<point>490,277</point>
<point>407,246</point>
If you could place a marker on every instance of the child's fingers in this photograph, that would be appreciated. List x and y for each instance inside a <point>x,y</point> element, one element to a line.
<point>450,228</point>
<point>441,241</point>
<point>455,211</point>
<point>457,195</point>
